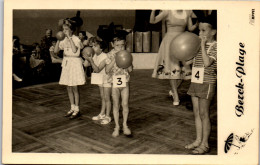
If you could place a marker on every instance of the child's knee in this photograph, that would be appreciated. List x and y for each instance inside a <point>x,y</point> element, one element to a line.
<point>203,115</point>
<point>125,105</point>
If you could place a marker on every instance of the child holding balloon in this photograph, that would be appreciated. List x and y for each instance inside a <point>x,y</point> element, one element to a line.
<point>203,84</point>
<point>72,73</point>
<point>122,74</point>
<point>98,62</point>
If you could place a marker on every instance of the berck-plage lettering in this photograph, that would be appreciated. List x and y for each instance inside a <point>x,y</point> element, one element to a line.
<point>240,72</point>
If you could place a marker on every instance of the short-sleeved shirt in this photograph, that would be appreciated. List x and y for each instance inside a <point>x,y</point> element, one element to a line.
<point>66,46</point>
<point>210,72</point>
<point>98,59</point>
<point>116,70</point>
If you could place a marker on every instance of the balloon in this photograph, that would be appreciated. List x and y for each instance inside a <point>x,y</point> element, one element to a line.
<point>184,47</point>
<point>88,51</point>
<point>60,35</point>
<point>123,59</point>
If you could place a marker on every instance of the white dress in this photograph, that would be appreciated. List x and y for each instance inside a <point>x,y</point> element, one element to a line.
<point>72,65</point>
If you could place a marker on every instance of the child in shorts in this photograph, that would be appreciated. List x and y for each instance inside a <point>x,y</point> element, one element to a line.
<point>98,63</point>
<point>203,84</point>
<point>112,69</point>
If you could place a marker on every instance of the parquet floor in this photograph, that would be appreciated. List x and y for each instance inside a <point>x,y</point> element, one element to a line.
<point>158,127</point>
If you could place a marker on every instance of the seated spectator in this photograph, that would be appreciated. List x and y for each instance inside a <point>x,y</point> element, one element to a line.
<point>54,56</point>
<point>19,60</point>
<point>36,60</point>
<point>83,38</point>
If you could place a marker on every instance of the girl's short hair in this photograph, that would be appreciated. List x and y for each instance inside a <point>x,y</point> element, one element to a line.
<point>101,43</point>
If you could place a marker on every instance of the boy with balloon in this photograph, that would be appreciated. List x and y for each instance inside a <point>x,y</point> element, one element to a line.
<point>119,65</point>
<point>203,83</point>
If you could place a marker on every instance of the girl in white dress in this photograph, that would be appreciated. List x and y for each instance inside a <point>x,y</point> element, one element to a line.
<point>72,73</point>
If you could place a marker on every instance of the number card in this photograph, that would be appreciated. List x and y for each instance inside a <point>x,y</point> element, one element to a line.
<point>119,81</point>
<point>197,75</point>
<point>97,78</point>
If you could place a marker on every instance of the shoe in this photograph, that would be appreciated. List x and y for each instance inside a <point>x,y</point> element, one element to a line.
<point>126,130</point>
<point>116,132</point>
<point>193,145</point>
<point>69,113</point>
<point>106,120</point>
<point>99,117</point>
<point>176,103</point>
<point>16,78</point>
<point>202,149</point>
<point>75,114</point>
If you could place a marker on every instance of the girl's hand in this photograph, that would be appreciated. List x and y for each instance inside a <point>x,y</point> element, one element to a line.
<point>66,32</point>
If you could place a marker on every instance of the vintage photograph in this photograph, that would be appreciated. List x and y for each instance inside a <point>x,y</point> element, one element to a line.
<point>66,98</point>
<point>133,82</point>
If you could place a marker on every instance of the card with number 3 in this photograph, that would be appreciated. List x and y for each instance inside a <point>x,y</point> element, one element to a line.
<point>119,81</point>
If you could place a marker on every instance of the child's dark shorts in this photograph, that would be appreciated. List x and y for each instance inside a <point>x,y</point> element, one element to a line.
<point>203,91</point>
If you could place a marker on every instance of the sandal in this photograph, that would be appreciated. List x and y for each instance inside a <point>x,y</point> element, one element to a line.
<point>126,130</point>
<point>99,117</point>
<point>116,132</point>
<point>176,103</point>
<point>75,115</point>
<point>193,145</point>
<point>202,149</point>
<point>106,120</point>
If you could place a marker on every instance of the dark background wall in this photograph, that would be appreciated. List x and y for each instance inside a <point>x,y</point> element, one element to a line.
<point>30,25</point>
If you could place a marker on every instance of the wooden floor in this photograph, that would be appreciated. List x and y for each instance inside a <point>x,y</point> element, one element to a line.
<point>158,127</point>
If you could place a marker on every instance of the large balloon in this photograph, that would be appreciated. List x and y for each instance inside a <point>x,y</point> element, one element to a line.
<point>123,59</point>
<point>60,35</point>
<point>88,51</point>
<point>184,47</point>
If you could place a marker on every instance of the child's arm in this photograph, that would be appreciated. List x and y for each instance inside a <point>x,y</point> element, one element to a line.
<point>158,18</point>
<point>110,65</point>
<point>56,48</point>
<point>73,47</point>
<point>96,68</point>
<point>188,62</point>
<point>206,59</point>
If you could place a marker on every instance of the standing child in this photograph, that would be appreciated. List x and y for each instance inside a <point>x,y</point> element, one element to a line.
<point>118,44</point>
<point>203,85</point>
<point>98,62</point>
<point>72,73</point>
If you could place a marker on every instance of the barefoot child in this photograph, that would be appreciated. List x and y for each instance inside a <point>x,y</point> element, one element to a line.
<point>203,85</point>
<point>98,63</point>
<point>118,44</point>
<point>72,73</point>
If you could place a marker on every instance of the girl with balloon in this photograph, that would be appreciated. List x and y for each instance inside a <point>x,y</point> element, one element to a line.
<point>98,62</point>
<point>167,66</point>
<point>72,73</point>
